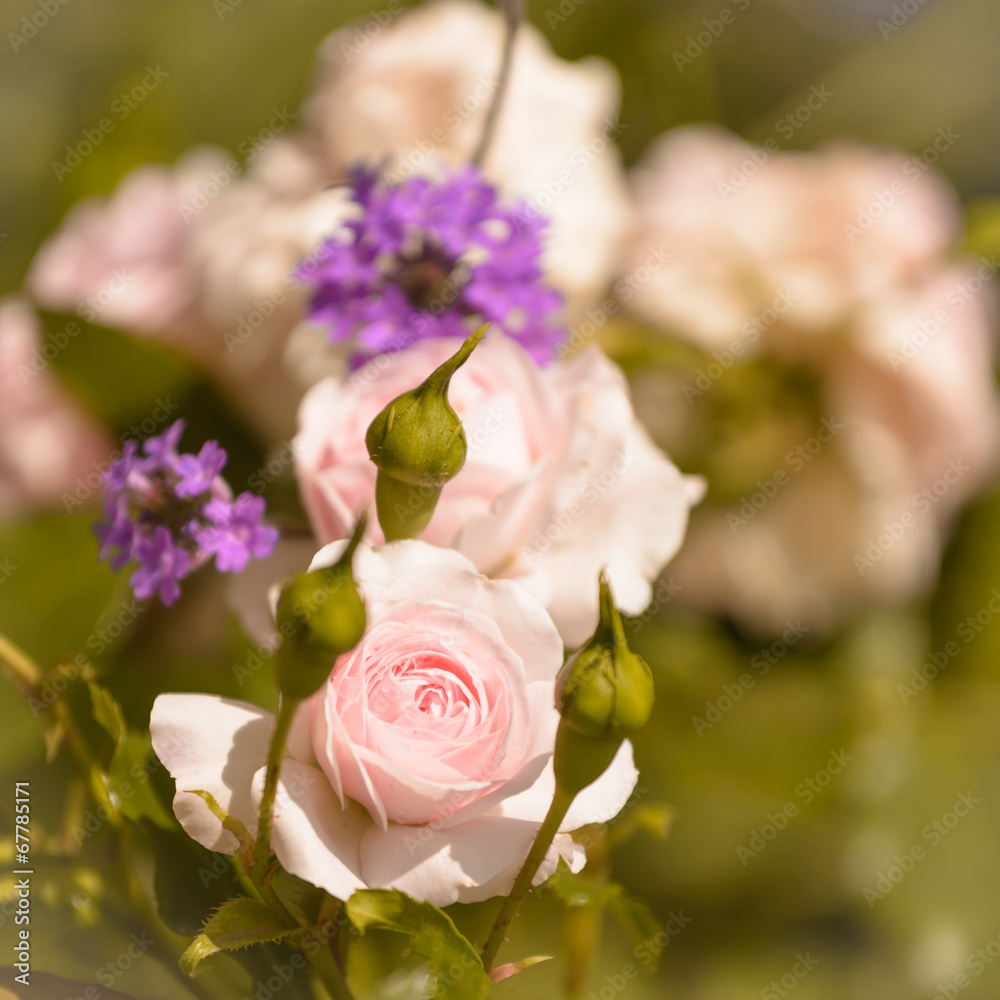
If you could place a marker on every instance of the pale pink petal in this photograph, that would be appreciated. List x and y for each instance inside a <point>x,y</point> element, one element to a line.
<point>462,864</point>
<point>313,836</point>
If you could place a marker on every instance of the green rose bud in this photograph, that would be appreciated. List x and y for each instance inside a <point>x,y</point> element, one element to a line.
<point>320,615</point>
<point>604,693</point>
<point>418,444</point>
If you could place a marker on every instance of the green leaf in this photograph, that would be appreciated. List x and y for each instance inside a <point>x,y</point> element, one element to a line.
<point>238,923</point>
<point>129,782</point>
<point>108,712</point>
<point>633,916</point>
<point>636,919</point>
<point>189,880</point>
<point>456,968</point>
<point>581,890</point>
<point>244,853</point>
<point>132,763</point>
<point>653,817</point>
<point>44,985</point>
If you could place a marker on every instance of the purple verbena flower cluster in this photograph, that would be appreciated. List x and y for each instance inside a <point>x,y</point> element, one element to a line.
<point>427,259</point>
<point>171,512</point>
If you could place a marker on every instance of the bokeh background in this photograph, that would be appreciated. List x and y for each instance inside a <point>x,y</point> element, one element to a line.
<point>752,918</point>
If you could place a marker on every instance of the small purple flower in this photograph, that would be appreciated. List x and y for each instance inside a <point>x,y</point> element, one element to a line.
<point>199,471</point>
<point>429,259</point>
<point>235,533</point>
<point>171,513</point>
<point>161,564</point>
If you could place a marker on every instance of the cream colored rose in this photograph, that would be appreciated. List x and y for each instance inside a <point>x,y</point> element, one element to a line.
<point>560,480</point>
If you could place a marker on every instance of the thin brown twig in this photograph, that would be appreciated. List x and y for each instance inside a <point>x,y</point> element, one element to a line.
<point>513,15</point>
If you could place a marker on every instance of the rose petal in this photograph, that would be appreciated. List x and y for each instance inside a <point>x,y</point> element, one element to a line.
<point>214,745</point>
<point>462,864</point>
<point>313,836</point>
<point>599,802</point>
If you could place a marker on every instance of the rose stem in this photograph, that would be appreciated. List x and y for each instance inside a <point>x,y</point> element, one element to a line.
<point>27,676</point>
<point>329,975</point>
<point>322,962</point>
<point>546,834</point>
<point>262,849</point>
<point>513,14</point>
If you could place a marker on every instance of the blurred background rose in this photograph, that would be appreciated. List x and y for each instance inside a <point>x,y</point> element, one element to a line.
<point>780,216</point>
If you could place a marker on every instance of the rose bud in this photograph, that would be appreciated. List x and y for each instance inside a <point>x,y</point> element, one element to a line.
<point>320,615</point>
<point>604,693</point>
<point>418,444</point>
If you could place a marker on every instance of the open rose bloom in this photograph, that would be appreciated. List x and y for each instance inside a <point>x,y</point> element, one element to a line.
<point>560,481</point>
<point>424,763</point>
<point>203,255</point>
<point>837,263</point>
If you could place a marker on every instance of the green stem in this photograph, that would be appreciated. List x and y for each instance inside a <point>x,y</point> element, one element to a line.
<point>329,974</point>
<point>262,850</point>
<point>513,14</point>
<point>27,676</point>
<point>24,672</point>
<point>543,841</point>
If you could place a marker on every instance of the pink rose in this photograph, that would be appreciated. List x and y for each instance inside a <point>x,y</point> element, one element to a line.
<point>47,439</point>
<point>778,249</point>
<point>424,763</point>
<point>125,261</point>
<point>560,481</point>
<point>837,261</point>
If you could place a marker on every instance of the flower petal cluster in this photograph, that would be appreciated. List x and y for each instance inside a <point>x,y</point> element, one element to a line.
<point>433,259</point>
<point>424,763</point>
<point>559,481</point>
<point>839,263</point>
<point>49,444</point>
<point>418,91</point>
<point>172,512</point>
